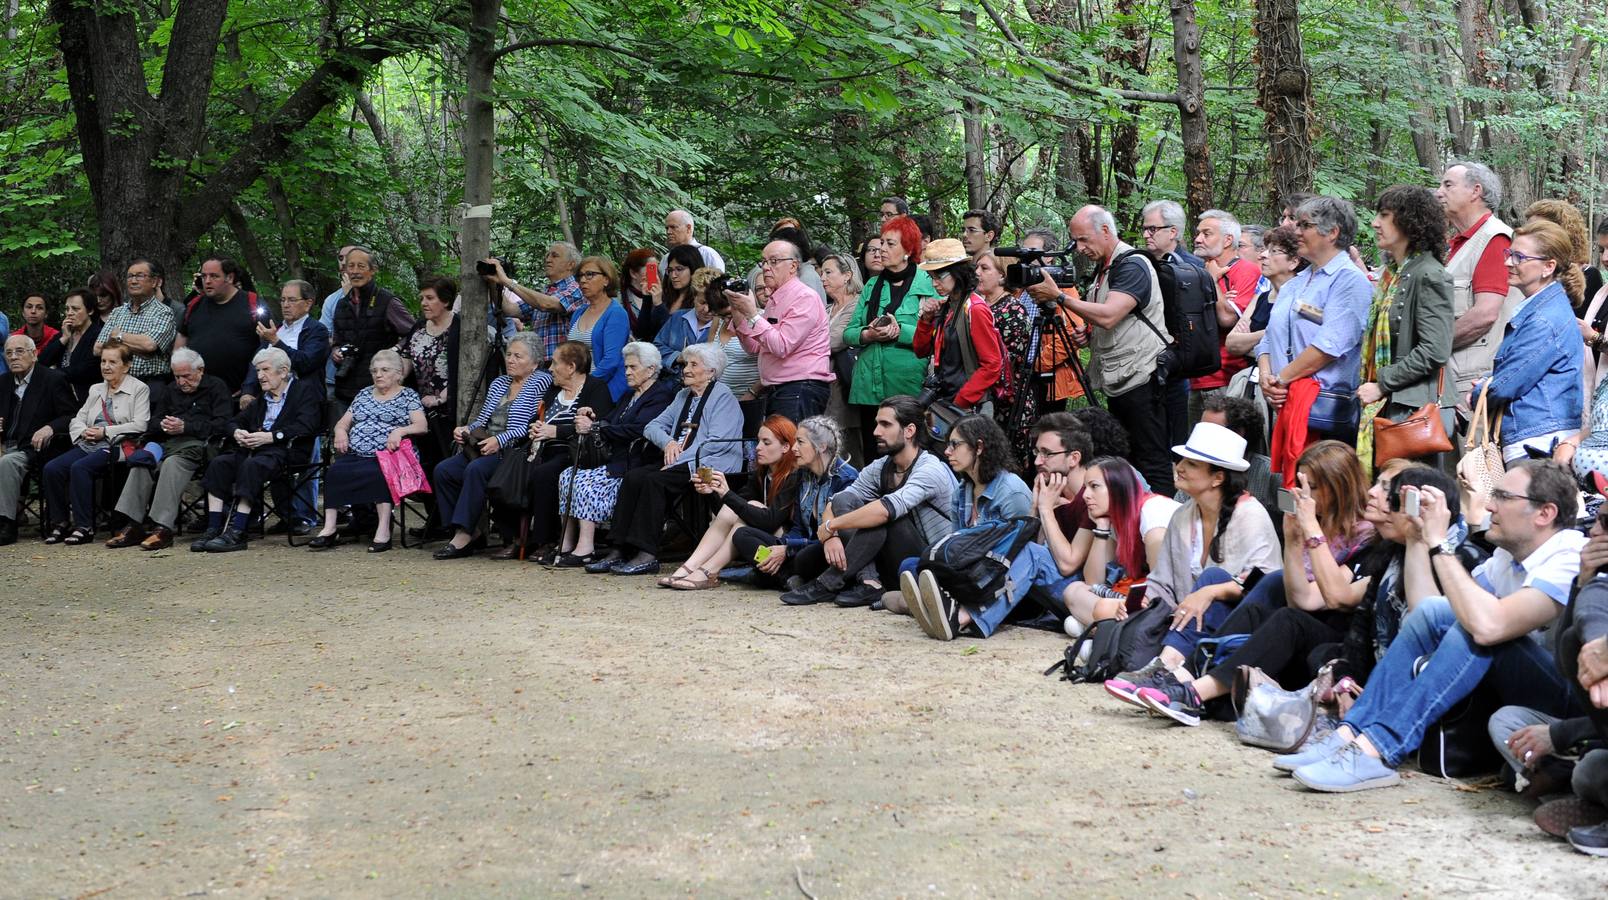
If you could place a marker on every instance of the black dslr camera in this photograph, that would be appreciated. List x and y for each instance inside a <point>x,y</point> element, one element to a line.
<point>1033,267</point>
<point>487,270</point>
<point>715,294</point>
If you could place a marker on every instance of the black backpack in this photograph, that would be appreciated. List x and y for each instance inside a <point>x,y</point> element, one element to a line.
<point>972,563</point>
<point>1115,646</point>
<point>1189,310</point>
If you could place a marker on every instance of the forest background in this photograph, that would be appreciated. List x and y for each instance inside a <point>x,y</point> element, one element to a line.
<point>276,131</point>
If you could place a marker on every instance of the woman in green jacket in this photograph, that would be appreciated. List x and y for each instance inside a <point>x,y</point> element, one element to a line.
<point>1409,335</point>
<point>883,326</point>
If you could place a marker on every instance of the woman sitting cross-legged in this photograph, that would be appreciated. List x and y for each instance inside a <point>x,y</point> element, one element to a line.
<point>270,435</point>
<point>114,410</point>
<point>586,496</point>
<point>380,418</point>
<point>702,427</point>
<point>572,390</point>
<point>504,419</point>
<point>1214,541</point>
<point>821,473</point>
<point>766,504</point>
<point>1130,527</point>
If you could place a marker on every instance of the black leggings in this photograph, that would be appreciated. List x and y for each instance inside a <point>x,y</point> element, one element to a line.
<point>808,563</point>
<point>1291,645</point>
<point>883,547</point>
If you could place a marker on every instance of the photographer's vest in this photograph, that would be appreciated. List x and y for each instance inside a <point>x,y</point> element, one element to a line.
<point>1124,358</point>
<point>1473,362</point>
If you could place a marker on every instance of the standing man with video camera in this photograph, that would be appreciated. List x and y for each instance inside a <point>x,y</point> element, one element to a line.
<point>1125,352</point>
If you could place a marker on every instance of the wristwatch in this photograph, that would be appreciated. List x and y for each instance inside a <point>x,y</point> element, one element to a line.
<point>753,320</point>
<point>1313,543</point>
<point>1448,546</point>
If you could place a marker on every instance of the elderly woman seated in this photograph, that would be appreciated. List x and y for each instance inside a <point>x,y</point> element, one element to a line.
<point>115,411</point>
<point>275,432</point>
<point>504,419</point>
<point>700,433</point>
<point>381,416</point>
<point>766,504</point>
<point>586,495</point>
<point>572,390</point>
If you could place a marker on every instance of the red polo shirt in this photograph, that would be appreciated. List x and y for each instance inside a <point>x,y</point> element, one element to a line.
<point>1490,273</point>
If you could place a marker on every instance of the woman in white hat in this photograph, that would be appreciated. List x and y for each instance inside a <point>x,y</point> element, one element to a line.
<point>956,329</point>
<point>1215,541</point>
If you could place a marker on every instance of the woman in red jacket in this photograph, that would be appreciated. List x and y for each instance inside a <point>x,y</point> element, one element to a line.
<point>958,332</point>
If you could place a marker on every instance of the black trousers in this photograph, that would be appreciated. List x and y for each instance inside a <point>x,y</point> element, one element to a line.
<point>242,474</point>
<point>1284,646</point>
<point>544,493</point>
<point>874,552</point>
<point>640,510</point>
<point>1143,414</point>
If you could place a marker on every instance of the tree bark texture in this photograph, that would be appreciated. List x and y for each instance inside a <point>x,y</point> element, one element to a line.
<point>479,150</point>
<point>1192,109</point>
<point>1284,92</point>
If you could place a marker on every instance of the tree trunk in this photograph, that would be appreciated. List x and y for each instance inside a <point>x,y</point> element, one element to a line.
<point>1284,92</point>
<point>1192,108</point>
<point>262,273</point>
<point>479,150</point>
<point>1420,115</point>
<point>1129,52</point>
<point>138,149</point>
<point>971,120</point>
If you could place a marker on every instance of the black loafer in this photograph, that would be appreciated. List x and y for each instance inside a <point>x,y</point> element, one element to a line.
<point>377,547</point>
<point>448,551</point>
<point>571,561</point>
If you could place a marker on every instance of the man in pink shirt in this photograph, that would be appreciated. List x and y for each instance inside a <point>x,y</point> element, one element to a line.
<point>1217,244</point>
<point>789,335</point>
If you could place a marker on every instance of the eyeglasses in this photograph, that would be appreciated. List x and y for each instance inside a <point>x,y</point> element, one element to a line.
<point>1041,453</point>
<point>1502,496</point>
<point>137,276</point>
<point>1518,259</point>
<point>17,352</point>
<point>767,261</point>
<point>589,275</point>
<point>1149,230</point>
<point>1304,224</point>
<point>952,443</point>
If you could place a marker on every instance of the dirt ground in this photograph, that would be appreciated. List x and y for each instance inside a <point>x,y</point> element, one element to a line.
<point>283,723</point>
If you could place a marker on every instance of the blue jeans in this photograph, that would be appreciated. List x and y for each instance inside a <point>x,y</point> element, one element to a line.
<point>1396,708</point>
<point>797,400</point>
<point>73,474</point>
<point>1184,641</point>
<point>1033,571</point>
<point>305,504</point>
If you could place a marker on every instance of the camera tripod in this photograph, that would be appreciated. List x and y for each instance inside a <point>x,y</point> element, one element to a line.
<point>1048,323</point>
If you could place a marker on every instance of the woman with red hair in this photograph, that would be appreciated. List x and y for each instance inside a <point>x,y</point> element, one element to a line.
<point>884,327</point>
<point>765,503</point>
<point>1130,525</point>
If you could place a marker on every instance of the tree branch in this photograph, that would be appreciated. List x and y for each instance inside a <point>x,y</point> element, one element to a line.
<point>1054,76</point>
<point>582,43</point>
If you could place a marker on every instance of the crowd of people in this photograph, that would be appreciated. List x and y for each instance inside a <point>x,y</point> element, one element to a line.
<point>1380,481</point>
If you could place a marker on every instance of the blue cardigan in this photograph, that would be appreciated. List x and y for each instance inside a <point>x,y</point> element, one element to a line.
<point>610,333</point>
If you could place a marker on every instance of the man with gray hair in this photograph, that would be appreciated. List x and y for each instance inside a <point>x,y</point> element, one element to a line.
<point>677,231</point>
<point>548,313</point>
<point>143,322</point>
<point>35,405</point>
<point>1482,301</point>
<point>1217,237</point>
<point>1162,224</point>
<point>1125,353</point>
<point>187,416</point>
<point>368,320</point>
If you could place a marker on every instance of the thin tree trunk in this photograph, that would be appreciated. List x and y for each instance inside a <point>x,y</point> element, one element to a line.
<point>971,120</point>
<point>1284,92</point>
<point>251,249</point>
<point>1192,109</point>
<point>429,250</point>
<point>1420,115</point>
<point>479,149</point>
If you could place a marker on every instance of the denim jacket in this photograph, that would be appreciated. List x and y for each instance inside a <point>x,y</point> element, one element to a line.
<point>1537,371</point>
<point>1005,498</point>
<point>813,495</point>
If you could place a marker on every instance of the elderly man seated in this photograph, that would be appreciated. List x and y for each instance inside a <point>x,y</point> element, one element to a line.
<point>186,416</point>
<point>36,404</point>
<point>275,432</point>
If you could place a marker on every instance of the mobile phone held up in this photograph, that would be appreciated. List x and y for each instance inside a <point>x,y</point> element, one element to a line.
<point>1287,501</point>
<point>1409,501</point>
<point>652,274</point>
<point>761,553</point>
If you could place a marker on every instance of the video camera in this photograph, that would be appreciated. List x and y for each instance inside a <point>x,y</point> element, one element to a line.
<point>1032,268</point>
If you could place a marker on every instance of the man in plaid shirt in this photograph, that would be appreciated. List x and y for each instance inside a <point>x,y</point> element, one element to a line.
<point>143,322</point>
<point>547,313</point>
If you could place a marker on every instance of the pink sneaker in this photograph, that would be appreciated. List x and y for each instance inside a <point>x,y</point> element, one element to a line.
<point>1126,691</point>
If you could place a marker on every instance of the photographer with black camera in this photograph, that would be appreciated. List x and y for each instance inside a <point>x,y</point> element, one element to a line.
<point>368,320</point>
<point>956,329</point>
<point>789,336</point>
<point>1125,351</point>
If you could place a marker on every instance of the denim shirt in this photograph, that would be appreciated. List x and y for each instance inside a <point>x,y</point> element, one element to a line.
<point>1006,497</point>
<point>1342,295</point>
<point>1537,370</point>
<point>813,495</point>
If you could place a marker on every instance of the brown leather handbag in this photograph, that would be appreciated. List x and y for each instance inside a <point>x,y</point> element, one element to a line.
<point>1420,434</point>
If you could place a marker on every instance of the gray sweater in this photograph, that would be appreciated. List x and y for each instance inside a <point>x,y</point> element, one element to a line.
<point>722,421</point>
<point>928,491</point>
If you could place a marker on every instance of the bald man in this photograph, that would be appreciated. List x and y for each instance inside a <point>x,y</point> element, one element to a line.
<point>678,231</point>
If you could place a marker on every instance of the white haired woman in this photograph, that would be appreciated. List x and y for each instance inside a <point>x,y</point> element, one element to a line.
<point>381,416</point>
<point>586,496</point>
<point>275,432</point>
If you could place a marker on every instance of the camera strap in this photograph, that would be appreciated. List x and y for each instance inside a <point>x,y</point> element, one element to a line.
<point>1138,312</point>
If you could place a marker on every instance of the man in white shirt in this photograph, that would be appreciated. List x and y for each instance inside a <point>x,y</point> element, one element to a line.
<point>677,231</point>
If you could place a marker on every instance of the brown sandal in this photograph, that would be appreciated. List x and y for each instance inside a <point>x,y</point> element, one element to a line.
<point>669,581</point>
<point>686,582</point>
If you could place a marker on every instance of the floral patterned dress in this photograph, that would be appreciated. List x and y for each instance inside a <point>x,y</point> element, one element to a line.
<point>1014,321</point>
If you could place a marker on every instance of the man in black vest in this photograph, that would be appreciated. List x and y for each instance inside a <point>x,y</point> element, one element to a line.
<point>35,404</point>
<point>369,319</point>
